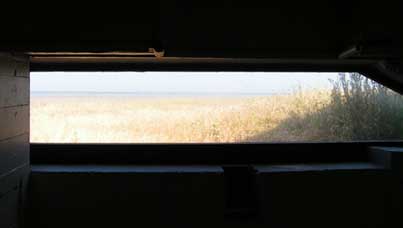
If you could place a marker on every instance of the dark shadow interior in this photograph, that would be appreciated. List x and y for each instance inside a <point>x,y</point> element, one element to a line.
<point>195,185</point>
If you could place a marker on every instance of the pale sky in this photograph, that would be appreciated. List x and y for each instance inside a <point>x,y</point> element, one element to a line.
<point>177,82</point>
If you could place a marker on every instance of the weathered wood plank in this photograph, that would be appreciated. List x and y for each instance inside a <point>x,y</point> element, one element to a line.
<point>14,121</point>
<point>14,91</point>
<point>14,152</point>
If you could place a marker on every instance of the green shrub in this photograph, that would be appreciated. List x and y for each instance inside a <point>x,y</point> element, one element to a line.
<point>363,109</point>
<point>360,109</point>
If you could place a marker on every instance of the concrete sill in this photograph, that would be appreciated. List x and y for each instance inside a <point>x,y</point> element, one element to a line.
<point>317,167</point>
<point>198,169</point>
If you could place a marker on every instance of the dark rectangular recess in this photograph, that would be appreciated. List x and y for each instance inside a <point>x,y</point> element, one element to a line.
<point>122,63</point>
<point>247,153</point>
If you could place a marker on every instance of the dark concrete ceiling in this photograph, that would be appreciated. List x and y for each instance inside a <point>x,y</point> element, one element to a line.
<point>247,29</point>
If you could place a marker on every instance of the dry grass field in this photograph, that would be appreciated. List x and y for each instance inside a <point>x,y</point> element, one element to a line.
<point>355,109</point>
<point>103,119</point>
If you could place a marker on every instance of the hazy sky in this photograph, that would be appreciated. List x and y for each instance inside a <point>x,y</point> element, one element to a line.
<point>177,82</point>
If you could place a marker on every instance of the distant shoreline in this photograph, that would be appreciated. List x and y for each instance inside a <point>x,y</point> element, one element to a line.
<point>142,94</point>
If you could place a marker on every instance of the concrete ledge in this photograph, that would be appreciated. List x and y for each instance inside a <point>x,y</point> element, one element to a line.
<point>316,167</point>
<point>124,169</point>
<point>197,169</point>
<point>388,157</point>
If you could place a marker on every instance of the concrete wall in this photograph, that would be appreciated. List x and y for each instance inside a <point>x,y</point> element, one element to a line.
<point>14,138</point>
<point>351,195</point>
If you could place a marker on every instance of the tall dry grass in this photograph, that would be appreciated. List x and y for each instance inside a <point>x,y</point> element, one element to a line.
<point>153,120</point>
<point>355,109</point>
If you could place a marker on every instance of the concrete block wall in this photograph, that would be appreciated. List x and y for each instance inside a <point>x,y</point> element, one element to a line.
<point>14,138</point>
